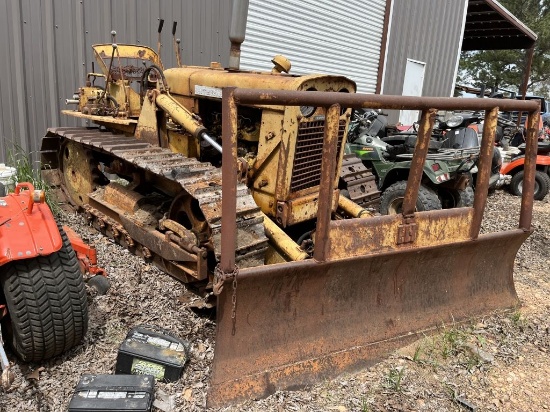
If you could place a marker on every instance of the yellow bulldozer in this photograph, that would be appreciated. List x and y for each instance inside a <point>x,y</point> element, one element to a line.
<point>228,181</point>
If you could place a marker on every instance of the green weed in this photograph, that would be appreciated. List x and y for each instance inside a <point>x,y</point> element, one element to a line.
<point>518,320</point>
<point>451,342</point>
<point>394,380</point>
<point>481,340</point>
<point>28,171</point>
<point>417,354</point>
<point>364,405</point>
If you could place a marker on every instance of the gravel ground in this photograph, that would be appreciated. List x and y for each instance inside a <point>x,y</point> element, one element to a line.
<point>498,363</point>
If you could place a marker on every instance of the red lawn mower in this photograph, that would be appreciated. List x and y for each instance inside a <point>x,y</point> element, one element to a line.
<point>43,306</point>
<point>513,165</point>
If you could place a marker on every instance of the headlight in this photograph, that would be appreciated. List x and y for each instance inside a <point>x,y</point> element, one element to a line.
<point>307,110</point>
<point>454,121</point>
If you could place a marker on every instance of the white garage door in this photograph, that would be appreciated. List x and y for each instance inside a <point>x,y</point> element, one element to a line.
<point>317,36</point>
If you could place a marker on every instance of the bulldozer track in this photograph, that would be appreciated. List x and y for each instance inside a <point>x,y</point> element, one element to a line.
<point>201,181</point>
<point>359,181</point>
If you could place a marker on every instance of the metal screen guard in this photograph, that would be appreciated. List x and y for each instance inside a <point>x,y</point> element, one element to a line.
<point>296,323</point>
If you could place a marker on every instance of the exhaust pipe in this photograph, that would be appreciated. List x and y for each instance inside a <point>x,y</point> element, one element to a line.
<point>237,31</point>
<point>76,97</point>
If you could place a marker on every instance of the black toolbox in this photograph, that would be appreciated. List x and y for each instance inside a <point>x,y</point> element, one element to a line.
<point>101,393</point>
<point>151,351</point>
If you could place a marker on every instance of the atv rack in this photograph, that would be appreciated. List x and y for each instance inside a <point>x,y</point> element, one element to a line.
<point>446,154</point>
<point>373,284</point>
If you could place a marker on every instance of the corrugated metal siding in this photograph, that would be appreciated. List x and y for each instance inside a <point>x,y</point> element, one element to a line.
<point>429,31</point>
<point>317,37</point>
<point>46,51</point>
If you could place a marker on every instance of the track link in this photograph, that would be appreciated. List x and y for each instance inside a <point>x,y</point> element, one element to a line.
<point>201,181</point>
<point>360,182</point>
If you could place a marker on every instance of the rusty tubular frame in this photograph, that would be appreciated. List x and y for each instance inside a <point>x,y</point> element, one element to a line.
<point>375,101</point>
<point>328,169</point>
<point>229,186</point>
<point>309,341</point>
<point>417,165</point>
<point>482,184</point>
<point>526,209</point>
<point>233,97</point>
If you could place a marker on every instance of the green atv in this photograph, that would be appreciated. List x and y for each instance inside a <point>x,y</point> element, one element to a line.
<point>446,181</point>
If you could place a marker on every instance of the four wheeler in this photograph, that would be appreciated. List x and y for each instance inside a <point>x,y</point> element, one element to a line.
<point>446,174</point>
<point>43,307</point>
<point>460,131</point>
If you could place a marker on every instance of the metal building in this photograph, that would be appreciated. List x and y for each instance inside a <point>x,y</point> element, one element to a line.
<point>47,51</point>
<point>318,37</point>
<point>423,50</point>
<point>386,46</point>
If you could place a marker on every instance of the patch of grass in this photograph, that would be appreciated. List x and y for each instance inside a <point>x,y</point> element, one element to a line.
<point>481,340</point>
<point>364,405</point>
<point>417,357</point>
<point>451,341</point>
<point>394,379</point>
<point>517,319</point>
<point>447,345</point>
<point>471,362</point>
<point>28,171</point>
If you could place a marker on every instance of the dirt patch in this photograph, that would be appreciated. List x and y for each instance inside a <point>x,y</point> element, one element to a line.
<point>498,363</point>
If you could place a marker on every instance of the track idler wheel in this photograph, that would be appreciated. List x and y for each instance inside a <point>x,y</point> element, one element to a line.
<point>81,174</point>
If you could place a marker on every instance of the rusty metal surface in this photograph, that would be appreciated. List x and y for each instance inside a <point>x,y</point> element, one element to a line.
<point>78,172</point>
<point>229,168</point>
<point>326,188</point>
<point>375,101</point>
<point>291,324</point>
<point>528,191</point>
<point>418,161</point>
<point>125,199</point>
<point>302,322</point>
<point>354,237</point>
<point>176,174</point>
<point>484,169</point>
<point>491,106</point>
<point>360,182</point>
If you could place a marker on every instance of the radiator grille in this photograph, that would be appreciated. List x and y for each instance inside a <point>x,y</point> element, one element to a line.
<point>306,170</point>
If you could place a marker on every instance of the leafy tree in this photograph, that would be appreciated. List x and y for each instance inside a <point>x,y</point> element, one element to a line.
<point>505,68</point>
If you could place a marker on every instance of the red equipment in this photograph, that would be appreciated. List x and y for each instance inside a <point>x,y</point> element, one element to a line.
<point>27,226</point>
<point>43,303</point>
<point>542,177</point>
<point>85,253</point>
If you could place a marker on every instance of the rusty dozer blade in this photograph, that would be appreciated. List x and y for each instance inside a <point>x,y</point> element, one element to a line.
<point>374,284</point>
<point>299,323</point>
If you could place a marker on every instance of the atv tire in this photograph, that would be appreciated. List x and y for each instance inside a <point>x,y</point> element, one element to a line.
<point>391,201</point>
<point>46,300</point>
<point>465,197</point>
<point>451,198</point>
<point>542,184</point>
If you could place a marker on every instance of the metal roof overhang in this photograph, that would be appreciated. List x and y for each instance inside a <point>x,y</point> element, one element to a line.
<point>489,26</point>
